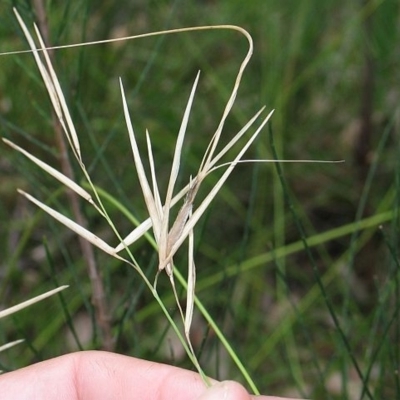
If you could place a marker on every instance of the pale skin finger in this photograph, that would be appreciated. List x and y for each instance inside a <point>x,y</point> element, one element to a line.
<point>101,375</point>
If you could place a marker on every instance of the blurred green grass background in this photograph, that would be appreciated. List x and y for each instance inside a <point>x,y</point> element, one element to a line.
<point>302,277</point>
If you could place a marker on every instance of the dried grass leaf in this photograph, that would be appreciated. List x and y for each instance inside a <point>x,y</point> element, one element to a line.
<point>53,87</point>
<point>10,344</point>
<point>163,245</point>
<point>55,173</point>
<point>89,236</point>
<point>20,306</point>
<point>156,191</point>
<point>191,284</point>
<point>144,184</point>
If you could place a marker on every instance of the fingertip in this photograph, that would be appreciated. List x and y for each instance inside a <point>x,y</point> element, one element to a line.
<point>227,390</point>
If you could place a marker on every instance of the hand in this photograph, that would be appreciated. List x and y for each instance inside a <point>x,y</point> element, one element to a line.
<point>99,375</point>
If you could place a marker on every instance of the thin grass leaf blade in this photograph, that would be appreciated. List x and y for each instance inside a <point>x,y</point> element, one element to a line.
<point>51,85</point>
<point>191,284</point>
<point>147,194</point>
<point>71,132</point>
<point>179,143</point>
<point>137,233</point>
<point>163,245</point>
<point>89,236</point>
<point>27,303</point>
<point>9,345</point>
<point>156,192</point>
<point>55,173</point>
<point>45,75</point>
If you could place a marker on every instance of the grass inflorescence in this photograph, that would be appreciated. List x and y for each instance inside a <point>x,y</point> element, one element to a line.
<point>292,267</point>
